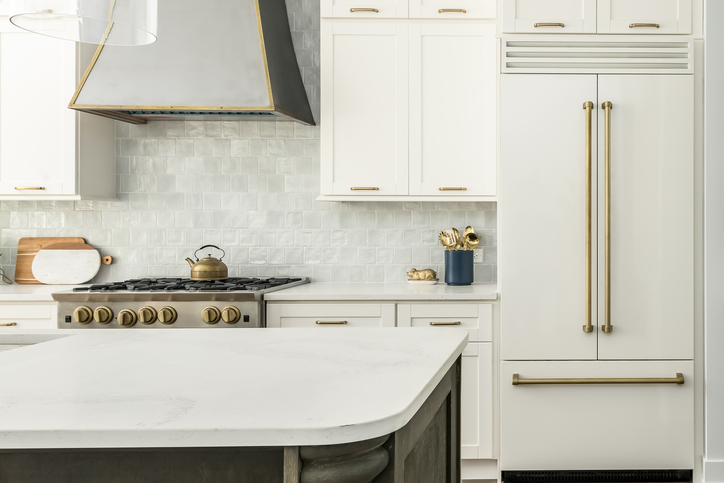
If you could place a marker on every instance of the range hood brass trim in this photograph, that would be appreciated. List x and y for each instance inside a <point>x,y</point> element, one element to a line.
<point>263,54</point>
<point>171,108</point>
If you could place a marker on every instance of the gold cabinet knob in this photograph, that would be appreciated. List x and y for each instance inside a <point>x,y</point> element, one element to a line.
<point>167,315</point>
<point>230,315</point>
<point>210,315</point>
<point>147,315</point>
<point>103,315</point>
<point>127,318</point>
<point>83,315</point>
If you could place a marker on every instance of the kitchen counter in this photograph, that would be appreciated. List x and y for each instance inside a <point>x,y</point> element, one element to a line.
<point>201,388</point>
<point>385,291</point>
<point>30,292</point>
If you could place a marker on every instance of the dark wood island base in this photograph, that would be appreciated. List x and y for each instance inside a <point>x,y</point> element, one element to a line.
<point>427,449</point>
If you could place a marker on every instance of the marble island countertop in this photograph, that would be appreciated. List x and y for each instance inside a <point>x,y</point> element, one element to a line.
<point>385,291</point>
<point>252,387</point>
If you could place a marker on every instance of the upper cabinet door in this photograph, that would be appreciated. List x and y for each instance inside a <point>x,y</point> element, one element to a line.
<point>452,9</point>
<point>550,16</point>
<point>364,9</point>
<point>544,155</point>
<point>364,108</point>
<point>651,216</point>
<point>37,78</point>
<point>452,109</point>
<point>644,16</point>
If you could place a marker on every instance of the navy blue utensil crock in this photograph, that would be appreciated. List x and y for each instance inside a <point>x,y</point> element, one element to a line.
<point>459,267</point>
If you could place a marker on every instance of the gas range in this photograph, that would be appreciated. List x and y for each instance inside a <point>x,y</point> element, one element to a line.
<point>169,303</point>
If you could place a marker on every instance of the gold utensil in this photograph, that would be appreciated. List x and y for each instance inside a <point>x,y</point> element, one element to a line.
<point>457,239</point>
<point>468,229</point>
<point>472,240</point>
<point>445,240</point>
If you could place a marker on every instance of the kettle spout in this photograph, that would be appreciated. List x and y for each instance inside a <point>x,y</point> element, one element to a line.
<point>191,262</point>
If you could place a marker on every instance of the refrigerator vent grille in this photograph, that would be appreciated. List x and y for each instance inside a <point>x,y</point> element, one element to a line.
<point>592,476</point>
<point>586,55</point>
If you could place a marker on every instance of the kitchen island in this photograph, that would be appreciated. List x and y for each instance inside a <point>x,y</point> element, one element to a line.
<point>250,405</point>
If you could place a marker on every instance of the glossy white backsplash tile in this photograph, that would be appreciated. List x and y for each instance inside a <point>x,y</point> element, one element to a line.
<point>251,188</point>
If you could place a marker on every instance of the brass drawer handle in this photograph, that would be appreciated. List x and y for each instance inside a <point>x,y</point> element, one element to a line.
<point>679,379</point>
<point>644,25</point>
<point>331,322</point>
<point>30,188</point>
<point>536,25</point>
<point>10,324</point>
<point>452,10</point>
<point>452,188</point>
<point>364,188</point>
<point>445,323</point>
<point>353,10</point>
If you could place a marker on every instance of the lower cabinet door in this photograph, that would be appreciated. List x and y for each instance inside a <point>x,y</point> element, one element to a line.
<point>476,402</point>
<point>596,426</point>
<point>15,315</point>
<point>330,315</point>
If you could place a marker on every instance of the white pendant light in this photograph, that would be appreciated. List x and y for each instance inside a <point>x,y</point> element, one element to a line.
<point>107,22</point>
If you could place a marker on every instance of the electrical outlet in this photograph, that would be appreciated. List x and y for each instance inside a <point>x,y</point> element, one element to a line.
<point>478,256</point>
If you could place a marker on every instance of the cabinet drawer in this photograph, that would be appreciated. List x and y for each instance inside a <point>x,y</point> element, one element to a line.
<point>476,318</point>
<point>451,9</point>
<point>601,426</point>
<point>641,16</point>
<point>27,311</point>
<point>364,9</point>
<point>39,323</point>
<point>331,315</point>
<point>575,16</point>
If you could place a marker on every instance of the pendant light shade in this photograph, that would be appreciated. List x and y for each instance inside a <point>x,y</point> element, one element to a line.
<point>107,22</point>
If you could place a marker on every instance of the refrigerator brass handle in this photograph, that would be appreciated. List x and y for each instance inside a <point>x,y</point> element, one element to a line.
<point>9,324</point>
<point>452,188</point>
<point>452,10</point>
<point>30,188</point>
<point>445,323</point>
<point>644,25</point>
<point>588,106</point>
<point>364,188</point>
<point>331,322</point>
<point>679,379</point>
<point>353,10</point>
<point>544,24</point>
<point>607,328</point>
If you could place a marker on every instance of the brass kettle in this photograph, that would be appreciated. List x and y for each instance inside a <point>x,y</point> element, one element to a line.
<point>208,268</point>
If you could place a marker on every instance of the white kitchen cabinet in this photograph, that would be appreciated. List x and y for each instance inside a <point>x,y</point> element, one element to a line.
<point>651,255</point>
<point>549,16</point>
<point>364,9</point>
<point>644,17</point>
<point>36,315</point>
<point>331,315</point>
<point>76,158</point>
<point>604,426</point>
<point>453,9</point>
<point>453,109</point>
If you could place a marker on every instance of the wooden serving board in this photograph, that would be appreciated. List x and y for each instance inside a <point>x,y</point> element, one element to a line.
<point>67,264</point>
<point>29,247</point>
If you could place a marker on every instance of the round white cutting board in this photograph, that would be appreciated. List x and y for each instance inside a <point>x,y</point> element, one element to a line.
<point>62,265</point>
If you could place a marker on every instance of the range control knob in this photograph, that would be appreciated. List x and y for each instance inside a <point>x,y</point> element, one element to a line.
<point>167,315</point>
<point>83,315</point>
<point>127,318</point>
<point>210,315</point>
<point>103,315</point>
<point>230,315</point>
<point>147,315</point>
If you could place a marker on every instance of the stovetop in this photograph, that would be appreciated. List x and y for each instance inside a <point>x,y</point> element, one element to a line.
<point>234,284</point>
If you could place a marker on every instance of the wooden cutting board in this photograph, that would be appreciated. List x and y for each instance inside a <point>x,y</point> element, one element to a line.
<point>29,247</point>
<point>67,264</point>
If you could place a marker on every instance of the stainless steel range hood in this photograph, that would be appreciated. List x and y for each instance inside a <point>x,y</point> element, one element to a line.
<point>213,60</point>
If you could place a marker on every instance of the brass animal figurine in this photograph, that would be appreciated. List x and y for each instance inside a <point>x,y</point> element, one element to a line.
<point>427,274</point>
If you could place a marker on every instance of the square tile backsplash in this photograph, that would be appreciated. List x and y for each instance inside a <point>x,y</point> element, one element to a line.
<point>249,187</point>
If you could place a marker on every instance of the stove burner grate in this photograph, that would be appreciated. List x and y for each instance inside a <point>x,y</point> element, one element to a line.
<point>235,284</point>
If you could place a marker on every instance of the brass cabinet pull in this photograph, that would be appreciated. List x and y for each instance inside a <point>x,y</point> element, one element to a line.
<point>9,324</point>
<point>607,106</point>
<point>452,10</point>
<point>452,188</point>
<point>679,379</point>
<point>588,106</point>
<point>331,322</point>
<point>353,10</point>
<point>644,25</point>
<point>445,323</point>
<point>536,25</point>
<point>30,188</point>
<point>364,188</point>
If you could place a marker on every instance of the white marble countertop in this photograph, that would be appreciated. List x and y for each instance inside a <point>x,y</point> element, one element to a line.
<point>30,292</point>
<point>385,291</point>
<point>252,387</point>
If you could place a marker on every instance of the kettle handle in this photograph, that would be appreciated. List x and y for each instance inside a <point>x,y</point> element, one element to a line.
<point>212,246</point>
